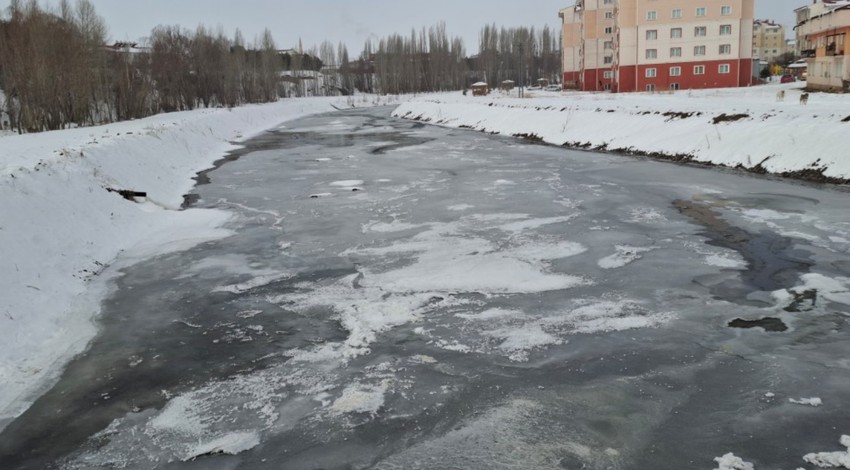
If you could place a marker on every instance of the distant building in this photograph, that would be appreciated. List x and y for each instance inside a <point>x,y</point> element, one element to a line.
<point>825,46</point>
<point>768,40</point>
<point>648,45</point>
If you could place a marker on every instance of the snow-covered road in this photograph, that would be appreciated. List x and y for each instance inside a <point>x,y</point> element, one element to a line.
<point>401,296</point>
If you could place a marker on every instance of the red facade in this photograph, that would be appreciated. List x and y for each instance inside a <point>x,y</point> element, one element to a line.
<point>634,78</point>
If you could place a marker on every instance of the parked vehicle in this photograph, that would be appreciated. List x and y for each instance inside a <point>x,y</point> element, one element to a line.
<point>787,79</point>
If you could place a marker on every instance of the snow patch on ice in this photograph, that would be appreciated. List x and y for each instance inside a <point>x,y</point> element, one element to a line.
<point>731,462</point>
<point>831,459</point>
<point>491,314</point>
<point>388,227</point>
<point>533,224</point>
<point>832,289</point>
<point>609,315</point>
<point>360,398</point>
<point>254,283</point>
<point>646,215</point>
<point>451,258</point>
<point>232,444</point>
<point>725,260</point>
<point>624,255</point>
<point>519,341</point>
<point>346,183</point>
<point>814,401</point>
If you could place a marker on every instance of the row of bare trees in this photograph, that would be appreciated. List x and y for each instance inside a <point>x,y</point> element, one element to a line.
<point>56,70</point>
<point>430,60</point>
<point>46,61</point>
<point>519,54</point>
<point>427,60</point>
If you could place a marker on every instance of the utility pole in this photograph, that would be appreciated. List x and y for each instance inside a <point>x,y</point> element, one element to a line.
<point>521,69</point>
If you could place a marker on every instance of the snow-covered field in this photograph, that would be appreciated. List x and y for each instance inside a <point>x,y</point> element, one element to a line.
<point>748,127</point>
<point>60,227</point>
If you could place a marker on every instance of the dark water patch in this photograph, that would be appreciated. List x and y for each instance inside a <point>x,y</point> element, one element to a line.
<point>803,301</point>
<point>283,139</point>
<point>400,140</point>
<point>770,324</point>
<point>772,261</point>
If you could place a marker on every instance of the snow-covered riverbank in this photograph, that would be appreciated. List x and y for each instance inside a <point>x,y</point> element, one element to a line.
<point>748,128</point>
<point>63,235</point>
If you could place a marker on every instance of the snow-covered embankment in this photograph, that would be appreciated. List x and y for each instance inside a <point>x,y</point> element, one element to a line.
<point>748,128</point>
<point>60,227</point>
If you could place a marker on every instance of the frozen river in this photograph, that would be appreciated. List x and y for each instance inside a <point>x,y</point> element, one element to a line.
<point>396,296</point>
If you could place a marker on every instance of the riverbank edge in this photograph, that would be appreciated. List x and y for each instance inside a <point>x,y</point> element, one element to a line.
<point>757,141</point>
<point>70,222</point>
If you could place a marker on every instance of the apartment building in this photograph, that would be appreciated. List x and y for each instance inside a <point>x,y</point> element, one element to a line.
<point>806,12</point>
<point>828,57</point>
<point>768,40</point>
<point>649,45</point>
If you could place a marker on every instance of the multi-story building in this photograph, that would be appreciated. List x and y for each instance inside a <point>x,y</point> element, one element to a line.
<point>805,13</point>
<point>640,45</point>
<point>768,40</point>
<point>828,57</point>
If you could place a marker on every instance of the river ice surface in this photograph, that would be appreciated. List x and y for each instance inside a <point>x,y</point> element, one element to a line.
<point>397,296</point>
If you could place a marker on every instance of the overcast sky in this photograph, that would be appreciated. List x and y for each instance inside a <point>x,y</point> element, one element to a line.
<point>348,21</point>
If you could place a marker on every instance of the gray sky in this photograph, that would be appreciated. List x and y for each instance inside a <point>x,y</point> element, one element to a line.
<point>348,21</point>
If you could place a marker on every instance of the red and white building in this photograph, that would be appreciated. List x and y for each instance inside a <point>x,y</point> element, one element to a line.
<point>654,45</point>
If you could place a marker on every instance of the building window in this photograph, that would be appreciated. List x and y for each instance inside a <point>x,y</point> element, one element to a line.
<point>609,30</point>
<point>725,49</point>
<point>675,71</point>
<point>606,87</point>
<point>608,2</point>
<point>726,10</point>
<point>652,53</point>
<point>608,74</point>
<point>676,33</point>
<point>674,86</point>
<point>609,15</point>
<point>677,13</point>
<point>609,45</point>
<point>675,52</point>
<point>726,30</point>
<point>701,11</point>
<point>699,50</point>
<point>700,31</point>
<point>652,15</point>
<point>699,69</point>
<point>650,87</point>
<point>608,59</point>
<point>651,35</point>
<point>651,73</point>
<point>723,68</point>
